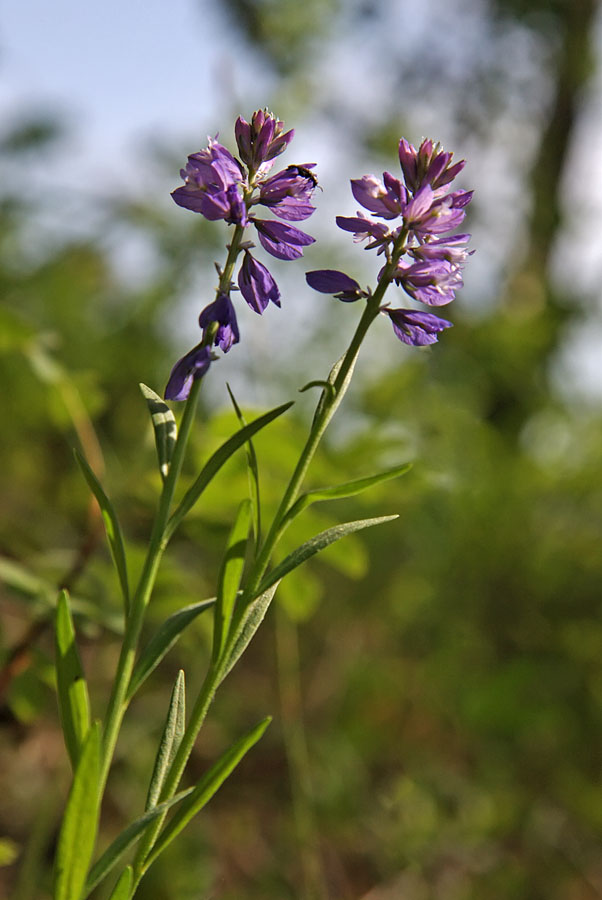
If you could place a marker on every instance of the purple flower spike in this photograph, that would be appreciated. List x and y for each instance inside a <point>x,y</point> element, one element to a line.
<point>192,366</point>
<point>282,241</point>
<point>416,328</point>
<point>257,285</point>
<point>331,281</point>
<point>222,312</point>
<point>212,180</point>
<point>384,199</point>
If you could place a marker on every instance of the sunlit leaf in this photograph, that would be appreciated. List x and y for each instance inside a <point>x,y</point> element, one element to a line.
<point>78,832</point>
<point>253,471</point>
<point>123,888</point>
<point>163,641</point>
<point>111,524</point>
<point>164,426</point>
<point>170,739</point>
<point>229,576</point>
<point>74,705</point>
<point>206,788</point>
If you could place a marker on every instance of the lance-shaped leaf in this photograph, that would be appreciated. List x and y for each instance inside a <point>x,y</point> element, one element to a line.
<point>163,641</point>
<point>230,575</point>
<point>164,426</point>
<point>248,622</point>
<point>349,489</point>
<point>111,524</point>
<point>78,832</point>
<point>123,888</point>
<point>126,839</point>
<point>253,471</point>
<point>317,543</point>
<point>206,788</point>
<point>74,705</point>
<point>170,740</point>
<point>216,461</point>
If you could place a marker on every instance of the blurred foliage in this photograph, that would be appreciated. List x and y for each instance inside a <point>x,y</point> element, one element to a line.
<point>444,731</point>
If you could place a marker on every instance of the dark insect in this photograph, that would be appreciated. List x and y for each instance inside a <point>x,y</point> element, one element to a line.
<point>305,173</point>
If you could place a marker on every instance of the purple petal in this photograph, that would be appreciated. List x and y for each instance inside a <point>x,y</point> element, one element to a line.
<point>282,241</point>
<point>257,284</point>
<point>416,328</point>
<point>331,281</point>
<point>192,366</point>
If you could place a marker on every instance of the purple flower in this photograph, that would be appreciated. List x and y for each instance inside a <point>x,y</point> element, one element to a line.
<point>289,192</point>
<point>282,241</point>
<point>433,281</point>
<point>414,327</point>
<point>257,285</point>
<point>362,227</point>
<point>427,165</point>
<point>385,198</point>
<point>221,311</point>
<point>192,366</point>
<point>261,140</point>
<point>450,248</point>
<point>212,185</point>
<point>331,281</point>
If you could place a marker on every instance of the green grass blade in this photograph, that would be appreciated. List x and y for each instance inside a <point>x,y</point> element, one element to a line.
<point>253,472</point>
<point>164,426</point>
<point>72,690</point>
<point>123,888</point>
<point>229,577</point>
<point>112,527</point>
<point>250,621</point>
<point>78,832</point>
<point>216,461</point>
<point>126,839</point>
<point>348,489</point>
<point>163,641</point>
<point>170,739</point>
<point>317,543</point>
<point>206,788</point>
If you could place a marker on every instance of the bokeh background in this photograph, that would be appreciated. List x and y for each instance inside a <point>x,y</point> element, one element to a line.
<point>436,684</point>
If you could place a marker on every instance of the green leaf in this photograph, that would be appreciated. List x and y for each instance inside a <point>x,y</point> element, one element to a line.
<point>123,888</point>
<point>126,839</point>
<point>111,524</point>
<point>164,426</point>
<point>317,543</point>
<point>249,621</point>
<point>253,471</point>
<point>206,788</point>
<point>170,740</point>
<point>216,461</point>
<point>321,384</point>
<point>78,832</point>
<point>348,489</point>
<point>74,705</point>
<point>163,641</point>
<point>229,577</point>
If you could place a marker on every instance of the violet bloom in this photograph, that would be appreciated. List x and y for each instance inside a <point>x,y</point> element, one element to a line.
<point>257,285</point>
<point>331,281</point>
<point>221,311</point>
<point>433,282</point>
<point>192,366</point>
<point>414,327</point>
<point>261,140</point>
<point>213,182</point>
<point>282,241</point>
<point>288,193</point>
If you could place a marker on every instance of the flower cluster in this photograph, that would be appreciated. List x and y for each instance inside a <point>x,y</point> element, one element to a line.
<point>219,186</point>
<point>421,256</point>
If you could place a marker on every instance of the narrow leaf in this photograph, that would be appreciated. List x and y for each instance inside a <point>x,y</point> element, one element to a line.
<point>126,839</point>
<point>349,489</point>
<point>249,622</point>
<point>74,705</point>
<point>317,543</point>
<point>321,384</point>
<point>111,524</point>
<point>206,788</point>
<point>230,575</point>
<point>163,641</point>
<point>164,426</point>
<point>78,832</point>
<point>123,888</point>
<point>216,461</point>
<point>252,470</point>
<point>170,740</point>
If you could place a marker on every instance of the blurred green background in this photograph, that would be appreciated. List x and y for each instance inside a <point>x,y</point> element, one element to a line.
<point>436,683</point>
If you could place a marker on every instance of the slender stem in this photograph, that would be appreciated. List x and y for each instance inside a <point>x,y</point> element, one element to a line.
<point>118,703</point>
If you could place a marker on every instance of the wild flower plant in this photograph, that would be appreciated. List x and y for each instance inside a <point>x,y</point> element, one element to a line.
<point>409,227</point>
